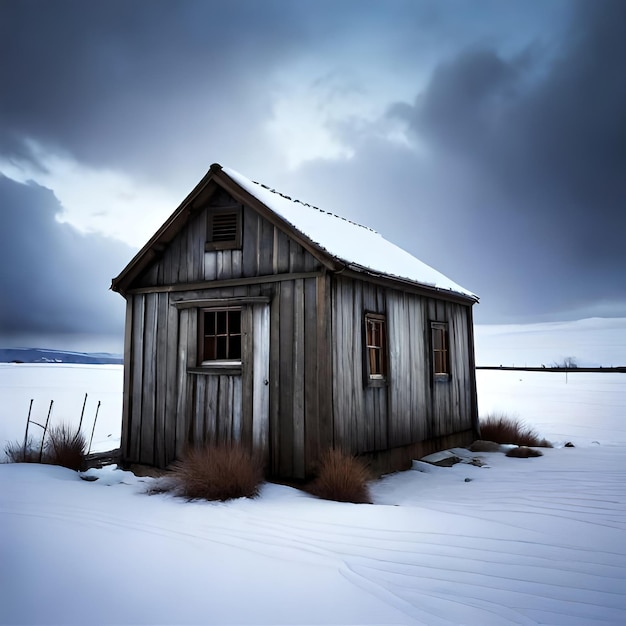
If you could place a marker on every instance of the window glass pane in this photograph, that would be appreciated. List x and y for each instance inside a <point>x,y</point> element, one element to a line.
<point>220,338</point>
<point>222,347</point>
<point>234,322</point>
<point>209,323</point>
<point>375,348</point>
<point>222,321</point>
<point>209,348</point>
<point>437,339</point>
<point>234,347</point>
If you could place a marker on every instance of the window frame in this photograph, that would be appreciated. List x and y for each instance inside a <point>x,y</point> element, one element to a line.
<point>380,346</point>
<point>220,363</point>
<point>234,244</point>
<point>440,351</point>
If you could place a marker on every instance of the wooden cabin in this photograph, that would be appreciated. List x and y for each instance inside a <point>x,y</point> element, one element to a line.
<point>255,317</point>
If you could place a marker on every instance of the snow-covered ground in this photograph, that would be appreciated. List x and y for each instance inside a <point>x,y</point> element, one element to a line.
<point>65,384</point>
<point>518,541</point>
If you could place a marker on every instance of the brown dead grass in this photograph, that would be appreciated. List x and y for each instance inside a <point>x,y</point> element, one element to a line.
<point>505,429</point>
<point>17,453</point>
<point>523,452</point>
<point>66,447</point>
<point>342,478</point>
<point>218,472</point>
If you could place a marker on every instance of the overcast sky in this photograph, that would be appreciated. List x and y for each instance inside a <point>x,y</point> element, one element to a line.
<point>486,137</point>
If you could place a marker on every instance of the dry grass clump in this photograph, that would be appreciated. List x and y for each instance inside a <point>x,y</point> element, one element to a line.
<point>66,447</point>
<point>505,429</point>
<point>523,452</point>
<point>17,452</point>
<point>217,472</point>
<point>341,477</point>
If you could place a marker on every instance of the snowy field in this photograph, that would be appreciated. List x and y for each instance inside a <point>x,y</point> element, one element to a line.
<point>66,385</point>
<point>518,541</point>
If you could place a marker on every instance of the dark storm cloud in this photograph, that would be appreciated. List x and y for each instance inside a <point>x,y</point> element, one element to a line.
<point>514,186</point>
<point>536,155</point>
<point>54,279</point>
<point>156,87</point>
<point>154,77</point>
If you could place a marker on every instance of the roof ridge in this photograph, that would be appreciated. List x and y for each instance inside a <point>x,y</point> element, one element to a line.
<point>312,206</point>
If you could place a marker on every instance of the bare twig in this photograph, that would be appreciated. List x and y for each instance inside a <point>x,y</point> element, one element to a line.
<point>30,408</point>
<point>95,419</point>
<point>45,430</point>
<point>82,413</point>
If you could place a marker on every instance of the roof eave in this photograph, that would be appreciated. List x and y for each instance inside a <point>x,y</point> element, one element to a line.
<point>157,243</point>
<point>358,271</point>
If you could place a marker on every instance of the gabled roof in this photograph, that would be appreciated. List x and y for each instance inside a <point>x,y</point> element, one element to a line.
<point>337,242</point>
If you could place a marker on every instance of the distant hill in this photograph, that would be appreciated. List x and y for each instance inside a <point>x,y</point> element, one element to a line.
<point>39,355</point>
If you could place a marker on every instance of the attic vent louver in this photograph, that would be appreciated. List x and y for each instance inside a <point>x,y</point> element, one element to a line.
<point>225,227</point>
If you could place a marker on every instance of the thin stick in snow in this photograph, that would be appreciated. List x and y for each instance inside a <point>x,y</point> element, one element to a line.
<point>82,413</point>
<point>45,430</point>
<point>95,419</point>
<point>30,408</point>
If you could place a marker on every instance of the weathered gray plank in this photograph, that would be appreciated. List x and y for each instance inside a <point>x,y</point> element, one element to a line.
<point>134,443</point>
<point>286,378</point>
<point>171,383</point>
<point>181,417</point>
<point>298,380</point>
<point>325,364</point>
<point>236,408</point>
<point>260,399</point>
<point>249,265</point>
<point>275,381</point>
<point>199,409</point>
<point>236,263</point>
<point>281,252</point>
<point>247,375</point>
<point>149,380</point>
<point>128,378</point>
<point>211,409</point>
<point>160,391</point>
<point>265,248</point>
<point>311,376</point>
<point>210,265</point>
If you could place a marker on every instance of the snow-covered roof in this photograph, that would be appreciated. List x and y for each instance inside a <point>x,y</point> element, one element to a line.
<point>358,247</point>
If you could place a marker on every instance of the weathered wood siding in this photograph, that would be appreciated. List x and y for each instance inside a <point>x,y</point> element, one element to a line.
<point>172,403</point>
<point>413,406</point>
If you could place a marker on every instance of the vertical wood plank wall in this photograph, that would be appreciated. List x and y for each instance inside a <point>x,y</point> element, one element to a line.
<point>413,407</point>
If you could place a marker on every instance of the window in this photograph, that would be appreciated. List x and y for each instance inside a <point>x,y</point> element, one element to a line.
<point>441,361</point>
<point>220,336</point>
<point>375,349</point>
<point>224,229</point>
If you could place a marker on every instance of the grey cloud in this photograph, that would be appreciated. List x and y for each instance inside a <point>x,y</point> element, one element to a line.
<point>536,155</point>
<point>135,83</point>
<point>518,196</point>
<point>54,279</point>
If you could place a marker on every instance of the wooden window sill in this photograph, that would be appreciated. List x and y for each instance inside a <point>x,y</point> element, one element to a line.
<point>377,382</point>
<point>216,369</point>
